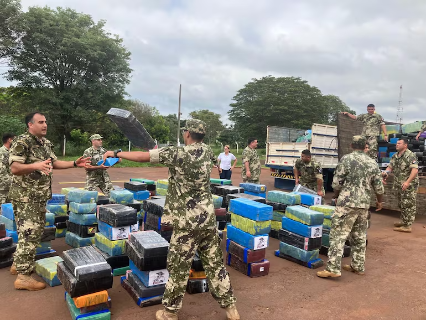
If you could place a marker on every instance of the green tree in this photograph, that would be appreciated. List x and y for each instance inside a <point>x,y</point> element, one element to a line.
<point>284,101</point>
<point>172,123</point>
<point>10,27</point>
<point>71,66</point>
<point>229,136</point>
<point>12,125</point>
<point>213,123</point>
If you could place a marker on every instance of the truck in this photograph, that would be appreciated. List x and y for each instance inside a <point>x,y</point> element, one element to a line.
<point>282,151</point>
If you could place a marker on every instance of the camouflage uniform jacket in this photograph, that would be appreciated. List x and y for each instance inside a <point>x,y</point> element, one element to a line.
<point>5,174</point>
<point>96,155</point>
<point>309,172</point>
<point>250,155</point>
<point>33,187</point>
<point>401,168</point>
<point>423,128</point>
<point>356,176</point>
<point>372,123</point>
<point>189,203</point>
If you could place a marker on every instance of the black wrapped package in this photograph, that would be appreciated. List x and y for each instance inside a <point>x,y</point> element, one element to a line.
<point>141,302</point>
<point>135,186</point>
<point>61,225</point>
<point>86,263</point>
<point>135,205</point>
<point>102,200</point>
<point>6,242</point>
<point>149,244</point>
<point>118,215</point>
<point>115,262</point>
<point>145,292</point>
<point>7,251</point>
<point>131,128</point>
<point>197,286</point>
<point>276,205</point>
<point>197,265</point>
<point>299,241</point>
<point>59,219</point>
<point>167,235</point>
<point>245,196</point>
<point>6,262</point>
<point>155,221</point>
<point>80,288</point>
<point>223,190</point>
<point>145,264</point>
<point>154,206</point>
<point>82,231</point>
<point>49,234</point>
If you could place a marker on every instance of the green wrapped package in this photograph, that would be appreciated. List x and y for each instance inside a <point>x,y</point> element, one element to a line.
<point>325,240</point>
<point>327,224</point>
<point>304,215</point>
<point>47,269</point>
<point>113,248</point>
<point>147,181</point>
<point>65,191</point>
<point>162,184</point>
<point>221,181</point>
<point>76,314</point>
<point>278,216</point>
<point>276,225</point>
<point>217,201</point>
<point>161,192</point>
<point>250,226</point>
<point>325,209</point>
<point>288,198</point>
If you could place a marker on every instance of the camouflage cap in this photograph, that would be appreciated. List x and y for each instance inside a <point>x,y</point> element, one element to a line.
<point>195,126</point>
<point>359,141</point>
<point>95,136</point>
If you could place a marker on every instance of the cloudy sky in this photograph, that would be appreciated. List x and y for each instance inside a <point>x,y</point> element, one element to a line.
<point>361,51</point>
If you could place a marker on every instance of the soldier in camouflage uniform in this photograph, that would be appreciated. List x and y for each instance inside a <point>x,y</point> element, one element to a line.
<point>310,173</point>
<point>5,174</point>
<point>356,177</point>
<point>250,172</point>
<point>189,208</point>
<point>422,129</point>
<point>371,130</point>
<point>31,160</point>
<point>405,168</point>
<point>97,176</point>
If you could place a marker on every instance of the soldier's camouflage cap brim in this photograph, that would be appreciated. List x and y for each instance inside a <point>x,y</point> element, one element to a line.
<point>195,126</point>
<point>95,136</point>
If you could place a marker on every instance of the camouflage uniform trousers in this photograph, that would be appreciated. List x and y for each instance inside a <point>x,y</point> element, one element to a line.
<point>348,222</point>
<point>183,245</point>
<point>30,222</point>
<point>103,182</point>
<point>373,147</point>
<point>251,181</point>
<point>407,204</point>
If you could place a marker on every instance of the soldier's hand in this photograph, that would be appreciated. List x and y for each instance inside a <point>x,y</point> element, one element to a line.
<point>378,206</point>
<point>103,167</point>
<point>45,167</point>
<point>405,186</point>
<point>83,162</point>
<point>248,174</point>
<point>320,193</point>
<point>108,154</point>
<point>386,138</point>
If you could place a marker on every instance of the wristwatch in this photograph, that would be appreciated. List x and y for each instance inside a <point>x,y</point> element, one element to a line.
<point>75,164</point>
<point>117,151</point>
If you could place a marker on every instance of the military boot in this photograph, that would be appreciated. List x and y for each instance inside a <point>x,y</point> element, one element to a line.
<point>328,274</point>
<point>403,229</point>
<point>232,313</point>
<point>13,270</point>
<point>25,282</point>
<point>348,267</point>
<point>165,315</point>
<point>398,224</point>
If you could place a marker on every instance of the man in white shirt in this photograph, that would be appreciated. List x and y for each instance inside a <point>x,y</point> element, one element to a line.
<point>225,159</point>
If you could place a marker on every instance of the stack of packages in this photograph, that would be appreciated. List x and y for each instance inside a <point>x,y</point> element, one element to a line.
<point>86,276</point>
<point>150,185</point>
<point>115,222</point>
<point>58,206</point>
<point>197,282</point>
<point>7,217</point>
<point>223,191</point>
<point>138,189</point>
<point>162,186</point>
<point>45,250</point>
<point>254,189</point>
<point>248,237</point>
<point>7,248</point>
<point>154,210</point>
<point>328,213</point>
<point>82,224</point>
<point>277,217</point>
<point>301,231</point>
<point>146,280</point>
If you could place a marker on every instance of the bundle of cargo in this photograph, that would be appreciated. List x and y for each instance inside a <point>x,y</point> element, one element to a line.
<point>146,280</point>
<point>82,224</point>
<point>197,282</point>
<point>139,190</point>
<point>86,276</point>
<point>150,185</point>
<point>7,248</point>
<point>254,189</point>
<point>115,223</point>
<point>248,237</point>
<point>154,210</point>
<point>7,218</point>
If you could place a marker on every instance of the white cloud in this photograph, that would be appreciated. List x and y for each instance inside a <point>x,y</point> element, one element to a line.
<point>361,51</point>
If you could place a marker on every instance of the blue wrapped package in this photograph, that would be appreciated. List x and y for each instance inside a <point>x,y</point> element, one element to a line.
<point>150,278</point>
<point>140,195</point>
<point>44,247</point>
<point>247,240</point>
<point>304,215</point>
<point>82,196</point>
<point>57,198</point>
<point>263,194</point>
<point>10,224</point>
<point>58,209</point>
<point>50,219</point>
<point>83,219</point>
<point>121,196</point>
<point>251,209</point>
<point>116,233</point>
<point>75,241</point>
<point>302,229</point>
<point>13,235</point>
<point>113,248</point>
<point>7,211</point>
<point>288,198</point>
<point>309,199</point>
<point>61,233</point>
<point>298,253</point>
<point>83,208</point>
<point>217,201</point>
<point>253,187</point>
<point>109,162</point>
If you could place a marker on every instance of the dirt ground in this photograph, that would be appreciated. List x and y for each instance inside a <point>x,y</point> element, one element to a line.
<point>393,287</point>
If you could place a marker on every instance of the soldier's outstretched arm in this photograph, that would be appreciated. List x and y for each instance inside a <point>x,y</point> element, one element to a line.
<point>80,162</point>
<point>136,156</point>
<point>20,169</point>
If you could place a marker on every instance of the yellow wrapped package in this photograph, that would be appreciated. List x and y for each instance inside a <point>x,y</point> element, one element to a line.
<point>112,247</point>
<point>327,224</point>
<point>276,225</point>
<point>250,226</point>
